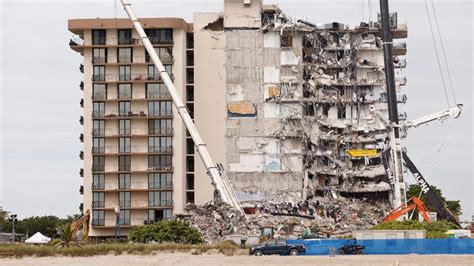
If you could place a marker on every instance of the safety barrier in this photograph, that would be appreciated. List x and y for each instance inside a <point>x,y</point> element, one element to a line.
<point>393,246</point>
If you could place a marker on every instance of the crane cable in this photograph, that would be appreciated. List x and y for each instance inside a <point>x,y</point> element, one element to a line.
<point>437,54</point>
<point>444,53</point>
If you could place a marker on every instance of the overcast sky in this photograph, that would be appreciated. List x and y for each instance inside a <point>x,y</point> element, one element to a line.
<point>39,148</point>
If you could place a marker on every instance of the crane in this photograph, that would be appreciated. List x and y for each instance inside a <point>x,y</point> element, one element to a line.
<point>402,210</point>
<point>221,183</point>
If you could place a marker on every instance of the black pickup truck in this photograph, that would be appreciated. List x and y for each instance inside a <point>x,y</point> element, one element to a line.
<point>277,246</point>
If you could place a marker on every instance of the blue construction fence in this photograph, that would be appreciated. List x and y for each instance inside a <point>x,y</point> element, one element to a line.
<point>393,246</point>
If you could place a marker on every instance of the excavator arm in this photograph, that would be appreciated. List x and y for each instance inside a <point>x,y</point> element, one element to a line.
<point>401,210</point>
<point>84,222</point>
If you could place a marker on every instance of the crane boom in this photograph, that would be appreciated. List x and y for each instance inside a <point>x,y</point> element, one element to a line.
<point>453,112</point>
<point>220,182</point>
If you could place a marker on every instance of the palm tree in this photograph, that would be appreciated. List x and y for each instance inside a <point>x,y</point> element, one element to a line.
<point>67,237</point>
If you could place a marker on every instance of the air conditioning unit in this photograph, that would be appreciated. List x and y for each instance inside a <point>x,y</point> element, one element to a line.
<point>247,2</point>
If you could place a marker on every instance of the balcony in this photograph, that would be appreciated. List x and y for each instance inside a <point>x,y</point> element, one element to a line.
<point>99,96</point>
<point>98,132</point>
<point>125,203</point>
<point>160,149</point>
<point>111,222</point>
<point>98,168</point>
<point>160,113</point>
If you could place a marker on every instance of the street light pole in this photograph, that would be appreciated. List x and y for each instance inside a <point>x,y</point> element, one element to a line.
<point>13,219</point>
<point>117,222</point>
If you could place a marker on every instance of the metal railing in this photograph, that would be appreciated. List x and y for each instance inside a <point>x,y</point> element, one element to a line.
<point>157,149</point>
<point>99,96</point>
<point>160,185</point>
<point>99,186</point>
<point>133,41</point>
<point>98,222</point>
<point>159,96</point>
<point>98,204</point>
<point>125,203</point>
<point>98,132</point>
<point>161,131</point>
<point>160,167</point>
<point>158,113</point>
<point>98,168</point>
<point>98,114</point>
<point>160,203</point>
<point>128,77</point>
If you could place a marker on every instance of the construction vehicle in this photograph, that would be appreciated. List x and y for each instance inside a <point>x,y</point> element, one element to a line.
<point>402,210</point>
<point>398,156</point>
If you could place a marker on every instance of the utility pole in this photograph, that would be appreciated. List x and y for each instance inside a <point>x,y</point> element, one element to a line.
<point>398,196</point>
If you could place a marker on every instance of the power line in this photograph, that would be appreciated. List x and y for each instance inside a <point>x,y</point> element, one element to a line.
<point>437,54</point>
<point>444,53</point>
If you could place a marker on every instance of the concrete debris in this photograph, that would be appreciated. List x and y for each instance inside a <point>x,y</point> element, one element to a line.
<point>241,108</point>
<point>324,215</point>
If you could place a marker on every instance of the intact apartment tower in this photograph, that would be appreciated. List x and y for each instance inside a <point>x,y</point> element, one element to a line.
<point>291,109</point>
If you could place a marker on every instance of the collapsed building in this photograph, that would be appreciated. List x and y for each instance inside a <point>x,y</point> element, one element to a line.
<point>306,104</point>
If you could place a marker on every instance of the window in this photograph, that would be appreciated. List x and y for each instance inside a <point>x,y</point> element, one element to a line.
<point>124,199</point>
<point>98,218</point>
<point>124,145</point>
<point>153,73</point>
<point>160,127</point>
<point>98,199</point>
<point>98,145</point>
<point>125,73</point>
<point>160,36</point>
<point>189,146</point>
<point>189,93</point>
<point>98,37</point>
<point>124,181</point>
<point>98,109</point>
<point>124,127</point>
<point>159,181</point>
<point>124,36</point>
<point>98,181</point>
<point>189,163</point>
<point>158,215</point>
<point>165,54</point>
<point>99,55</point>
<point>157,91</point>
<point>99,92</point>
<point>124,217</point>
<point>98,73</point>
<point>160,162</point>
<point>124,91</point>
<point>190,40</point>
<point>190,197</point>
<point>98,163</point>
<point>160,144</point>
<point>286,41</point>
<point>159,108</point>
<point>98,127</point>
<point>189,182</point>
<point>124,163</point>
<point>159,198</point>
<point>190,75</point>
<point>124,55</point>
<point>124,108</point>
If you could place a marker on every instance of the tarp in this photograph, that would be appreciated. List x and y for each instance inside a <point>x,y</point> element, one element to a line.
<point>38,238</point>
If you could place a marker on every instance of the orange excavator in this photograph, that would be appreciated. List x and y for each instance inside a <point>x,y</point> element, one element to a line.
<point>416,203</point>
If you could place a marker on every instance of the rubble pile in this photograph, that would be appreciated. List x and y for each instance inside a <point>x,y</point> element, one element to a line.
<point>324,216</point>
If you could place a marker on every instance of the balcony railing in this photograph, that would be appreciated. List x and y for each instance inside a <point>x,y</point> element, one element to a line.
<point>98,204</point>
<point>160,185</point>
<point>158,113</point>
<point>158,96</point>
<point>98,132</point>
<point>161,131</point>
<point>98,149</point>
<point>160,203</point>
<point>99,96</point>
<point>157,149</point>
<point>99,186</point>
<point>124,167</point>
<point>117,41</point>
<point>125,203</point>
<point>98,114</point>
<point>99,60</point>
<point>124,59</point>
<point>98,222</point>
<point>160,167</point>
<point>98,168</point>
<point>127,77</point>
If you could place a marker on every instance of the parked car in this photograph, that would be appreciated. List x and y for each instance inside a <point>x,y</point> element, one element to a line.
<point>351,247</point>
<point>277,246</point>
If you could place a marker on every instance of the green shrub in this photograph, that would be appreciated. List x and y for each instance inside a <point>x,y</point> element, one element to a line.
<point>433,229</point>
<point>166,231</point>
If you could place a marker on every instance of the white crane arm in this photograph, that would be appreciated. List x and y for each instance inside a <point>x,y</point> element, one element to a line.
<point>220,182</point>
<point>453,112</point>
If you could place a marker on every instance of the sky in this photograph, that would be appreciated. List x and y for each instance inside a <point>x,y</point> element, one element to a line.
<point>39,91</point>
